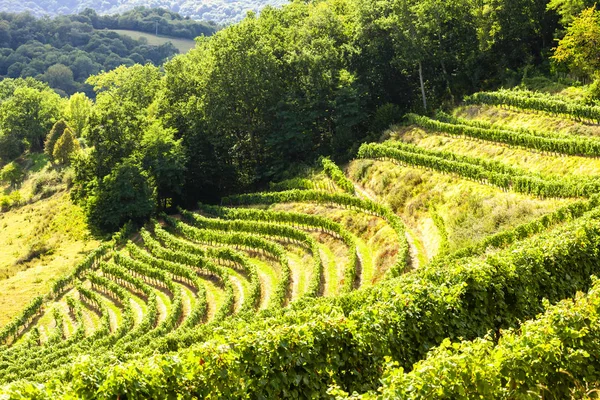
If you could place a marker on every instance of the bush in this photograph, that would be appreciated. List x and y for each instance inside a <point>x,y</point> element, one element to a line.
<point>12,174</point>
<point>45,180</point>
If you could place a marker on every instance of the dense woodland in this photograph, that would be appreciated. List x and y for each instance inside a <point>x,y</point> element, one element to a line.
<point>263,98</point>
<point>218,11</point>
<point>64,51</point>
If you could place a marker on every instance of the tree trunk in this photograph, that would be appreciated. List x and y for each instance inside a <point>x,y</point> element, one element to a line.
<point>422,85</point>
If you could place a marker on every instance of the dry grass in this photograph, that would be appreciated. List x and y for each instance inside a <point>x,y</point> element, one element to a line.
<point>527,120</point>
<point>183,45</point>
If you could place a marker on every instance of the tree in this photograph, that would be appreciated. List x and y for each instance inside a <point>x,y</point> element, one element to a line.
<point>123,195</point>
<point>164,158</point>
<point>12,173</point>
<point>138,83</point>
<point>66,145</point>
<point>569,9</point>
<point>59,76</point>
<point>11,147</point>
<point>77,112</point>
<point>579,50</point>
<point>55,133</point>
<point>29,115</point>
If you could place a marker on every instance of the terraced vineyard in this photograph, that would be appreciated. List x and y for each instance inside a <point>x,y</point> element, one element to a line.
<point>346,282</point>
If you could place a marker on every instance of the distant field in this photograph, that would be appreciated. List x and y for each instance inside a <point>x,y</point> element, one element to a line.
<point>183,45</point>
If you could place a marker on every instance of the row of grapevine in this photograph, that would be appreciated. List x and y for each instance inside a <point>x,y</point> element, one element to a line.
<point>574,146</point>
<point>305,221</point>
<point>338,200</point>
<point>505,238</point>
<point>247,241</point>
<point>18,324</point>
<point>224,256</point>
<point>35,308</point>
<point>483,124</point>
<point>124,279</point>
<point>479,171</point>
<point>399,320</point>
<point>553,356</point>
<point>191,265</point>
<point>550,105</point>
<point>268,230</point>
<point>337,175</point>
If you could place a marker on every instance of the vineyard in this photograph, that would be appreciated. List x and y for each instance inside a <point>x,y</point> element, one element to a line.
<point>453,259</point>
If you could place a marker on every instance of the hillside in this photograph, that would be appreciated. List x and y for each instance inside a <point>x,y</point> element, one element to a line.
<point>349,199</point>
<point>434,204</point>
<point>43,237</point>
<point>219,11</point>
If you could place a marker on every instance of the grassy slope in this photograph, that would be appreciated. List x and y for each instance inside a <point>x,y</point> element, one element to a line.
<point>54,224</point>
<point>469,211</point>
<point>183,45</point>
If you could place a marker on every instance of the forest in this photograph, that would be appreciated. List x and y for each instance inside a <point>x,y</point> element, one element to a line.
<point>216,11</point>
<point>64,51</point>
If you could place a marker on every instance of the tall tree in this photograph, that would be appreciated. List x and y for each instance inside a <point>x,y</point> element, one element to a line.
<point>164,158</point>
<point>65,147</point>
<point>29,114</point>
<point>579,50</point>
<point>123,195</point>
<point>55,133</point>
<point>77,112</point>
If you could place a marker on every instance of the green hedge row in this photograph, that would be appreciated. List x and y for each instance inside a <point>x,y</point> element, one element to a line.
<point>553,357</point>
<point>347,341</point>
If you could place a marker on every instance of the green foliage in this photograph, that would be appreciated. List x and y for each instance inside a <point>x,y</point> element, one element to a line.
<point>569,9</point>
<point>55,133</point>
<point>553,355</point>
<point>337,175</point>
<point>11,147</point>
<point>29,114</point>
<point>65,147</point>
<point>64,51</point>
<point>164,158</point>
<point>124,194</point>
<point>12,174</point>
<point>344,342</point>
<point>577,49</point>
<point>77,112</point>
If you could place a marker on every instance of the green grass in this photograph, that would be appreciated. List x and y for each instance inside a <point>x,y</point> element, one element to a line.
<point>183,45</point>
<point>245,288</point>
<point>301,268</point>
<point>215,297</point>
<point>269,278</point>
<point>330,271</point>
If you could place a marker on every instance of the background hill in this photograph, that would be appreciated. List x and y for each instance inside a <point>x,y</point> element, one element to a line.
<point>219,11</point>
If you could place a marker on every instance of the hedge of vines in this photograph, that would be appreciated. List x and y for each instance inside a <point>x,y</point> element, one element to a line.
<point>525,101</point>
<point>345,342</point>
<point>576,146</point>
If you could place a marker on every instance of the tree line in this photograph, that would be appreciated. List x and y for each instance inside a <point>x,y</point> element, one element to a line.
<point>64,51</point>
